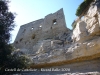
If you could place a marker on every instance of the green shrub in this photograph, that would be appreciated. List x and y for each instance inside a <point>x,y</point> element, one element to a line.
<point>73,24</point>
<point>83,6</point>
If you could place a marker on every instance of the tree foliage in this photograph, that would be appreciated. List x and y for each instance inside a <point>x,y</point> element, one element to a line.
<point>83,6</point>
<point>6,22</point>
<point>7,60</point>
<point>6,25</point>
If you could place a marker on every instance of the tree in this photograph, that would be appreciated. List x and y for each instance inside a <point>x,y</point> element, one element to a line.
<point>83,6</point>
<point>6,25</point>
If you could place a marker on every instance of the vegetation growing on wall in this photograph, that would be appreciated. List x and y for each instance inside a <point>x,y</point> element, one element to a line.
<point>74,24</point>
<point>81,9</point>
<point>83,6</point>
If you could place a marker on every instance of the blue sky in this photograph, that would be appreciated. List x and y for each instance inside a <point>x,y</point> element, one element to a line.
<point>30,10</point>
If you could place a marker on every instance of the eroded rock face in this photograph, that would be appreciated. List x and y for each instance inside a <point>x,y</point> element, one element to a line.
<point>83,41</point>
<point>92,20</point>
<point>80,32</point>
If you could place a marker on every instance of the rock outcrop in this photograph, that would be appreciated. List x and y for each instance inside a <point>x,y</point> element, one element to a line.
<point>58,44</point>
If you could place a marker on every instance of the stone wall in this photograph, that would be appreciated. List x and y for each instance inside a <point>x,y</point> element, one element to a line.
<point>28,34</point>
<point>54,25</point>
<point>51,27</point>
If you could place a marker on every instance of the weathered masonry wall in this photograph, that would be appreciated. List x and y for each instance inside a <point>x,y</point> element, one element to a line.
<point>51,27</point>
<point>54,25</point>
<point>28,34</point>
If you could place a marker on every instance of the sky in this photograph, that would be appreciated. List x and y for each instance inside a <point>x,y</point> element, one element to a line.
<point>31,10</point>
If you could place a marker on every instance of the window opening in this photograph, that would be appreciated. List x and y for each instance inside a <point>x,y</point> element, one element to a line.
<point>32,28</point>
<point>54,21</point>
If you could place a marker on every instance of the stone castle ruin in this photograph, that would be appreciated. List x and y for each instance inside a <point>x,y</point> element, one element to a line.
<point>51,27</point>
<point>48,42</point>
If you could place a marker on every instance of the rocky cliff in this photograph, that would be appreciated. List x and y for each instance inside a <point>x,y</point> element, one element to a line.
<point>72,47</point>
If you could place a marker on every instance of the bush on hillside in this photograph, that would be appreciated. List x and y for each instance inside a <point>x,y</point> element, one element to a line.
<point>83,6</point>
